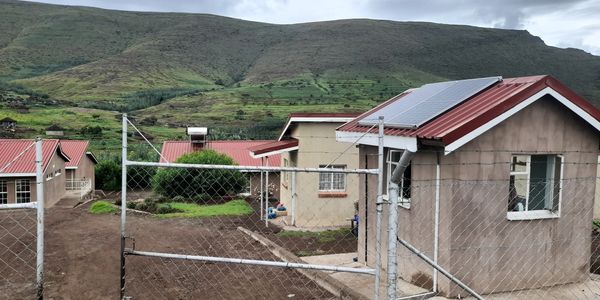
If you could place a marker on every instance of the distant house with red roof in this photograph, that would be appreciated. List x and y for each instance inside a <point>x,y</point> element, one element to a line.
<point>80,169</point>
<point>308,141</point>
<point>237,150</point>
<point>500,162</point>
<point>17,169</point>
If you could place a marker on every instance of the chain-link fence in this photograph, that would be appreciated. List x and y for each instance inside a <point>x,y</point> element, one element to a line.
<point>21,222</point>
<point>484,224</point>
<point>205,227</point>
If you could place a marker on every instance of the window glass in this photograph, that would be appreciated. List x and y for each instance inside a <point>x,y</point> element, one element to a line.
<point>332,181</point>
<point>3,192</point>
<point>23,190</point>
<point>392,162</point>
<point>534,182</point>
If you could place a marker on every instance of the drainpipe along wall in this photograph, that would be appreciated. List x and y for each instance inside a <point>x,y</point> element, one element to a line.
<point>393,192</point>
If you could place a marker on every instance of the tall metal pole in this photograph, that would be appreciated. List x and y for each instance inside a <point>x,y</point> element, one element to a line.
<point>123,201</point>
<point>379,209</point>
<point>267,195</point>
<point>436,230</point>
<point>392,231</point>
<point>39,181</point>
<point>262,186</point>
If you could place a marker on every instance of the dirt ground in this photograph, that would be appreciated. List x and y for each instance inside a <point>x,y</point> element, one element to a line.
<point>82,259</point>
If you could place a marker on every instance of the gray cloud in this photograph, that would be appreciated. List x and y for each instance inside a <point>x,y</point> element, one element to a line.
<point>562,23</point>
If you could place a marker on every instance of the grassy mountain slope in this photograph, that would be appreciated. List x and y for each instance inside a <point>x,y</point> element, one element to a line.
<point>244,77</point>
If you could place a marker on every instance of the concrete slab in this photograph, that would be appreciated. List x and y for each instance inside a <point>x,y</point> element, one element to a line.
<point>364,284</point>
<point>284,222</point>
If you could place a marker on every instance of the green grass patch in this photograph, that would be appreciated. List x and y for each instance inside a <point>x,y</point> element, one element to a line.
<point>596,223</point>
<point>102,207</point>
<point>191,210</point>
<point>321,236</point>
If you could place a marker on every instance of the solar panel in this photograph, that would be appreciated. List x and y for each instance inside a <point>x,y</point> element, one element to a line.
<point>427,102</point>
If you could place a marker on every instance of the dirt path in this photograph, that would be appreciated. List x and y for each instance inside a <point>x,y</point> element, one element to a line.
<point>82,260</point>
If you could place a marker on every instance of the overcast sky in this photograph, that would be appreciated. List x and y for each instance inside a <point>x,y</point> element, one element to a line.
<point>562,23</point>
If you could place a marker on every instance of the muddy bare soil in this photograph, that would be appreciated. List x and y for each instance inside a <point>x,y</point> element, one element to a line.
<point>82,260</point>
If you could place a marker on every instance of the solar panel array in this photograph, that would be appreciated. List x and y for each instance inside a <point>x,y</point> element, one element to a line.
<point>427,102</point>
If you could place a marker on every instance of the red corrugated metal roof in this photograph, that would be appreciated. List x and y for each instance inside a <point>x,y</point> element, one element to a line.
<point>238,150</point>
<point>476,111</point>
<point>75,150</point>
<point>274,146</point>
<point>18,155</point>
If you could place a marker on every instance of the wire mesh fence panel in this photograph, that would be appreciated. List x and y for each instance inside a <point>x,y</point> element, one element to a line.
<point>17,253</point>
<point>487,224</point>
<point>205,227</point>
<point>516,226</point>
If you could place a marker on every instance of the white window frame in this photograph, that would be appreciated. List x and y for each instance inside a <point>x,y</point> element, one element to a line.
<point>49,176</point>
<point>331,189</point>
<point>19,183</point>
<point>543,213</point>
<point>402,201</point>
<point>3,191</point>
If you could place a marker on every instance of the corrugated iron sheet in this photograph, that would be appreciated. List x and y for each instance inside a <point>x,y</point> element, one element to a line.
<point>18,155</point>
<point>75,150</point>
<point>273,146</point>
<point>238,150</point>
<point>477,110</point>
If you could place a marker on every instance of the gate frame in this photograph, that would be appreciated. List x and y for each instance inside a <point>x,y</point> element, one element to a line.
<point>39,206</point>
<point>126,251</point>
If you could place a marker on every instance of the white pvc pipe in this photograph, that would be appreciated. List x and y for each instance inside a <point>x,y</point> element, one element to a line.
<point>393,194</point>
<point>378,209</point>
<point>251,168</point>
<point>18,205</point>
<point>39,180</point>
<point>242,261</point>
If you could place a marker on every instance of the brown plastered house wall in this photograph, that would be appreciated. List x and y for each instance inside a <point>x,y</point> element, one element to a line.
<point>54,188</point>
<point>85,170</point>
<point>317,146</point>
<point>477,242</point>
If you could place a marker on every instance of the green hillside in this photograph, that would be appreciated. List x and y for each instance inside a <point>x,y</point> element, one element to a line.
<point>242,78</point>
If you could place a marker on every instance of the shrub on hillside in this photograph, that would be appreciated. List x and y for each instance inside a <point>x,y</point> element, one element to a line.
<point>189,183</point>
<point>108,175</point>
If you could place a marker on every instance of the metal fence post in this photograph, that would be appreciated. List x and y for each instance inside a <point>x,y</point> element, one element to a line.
<point>262,186</point>
<point>392,231</point>
<point>267,195</point>
<point>436,230</point>
<point>39,181</point>
<point>123,202</point>
<point>379,209</point>
<point>294,199</point>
